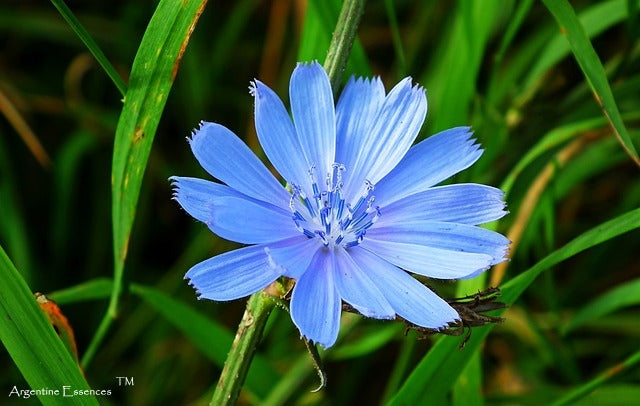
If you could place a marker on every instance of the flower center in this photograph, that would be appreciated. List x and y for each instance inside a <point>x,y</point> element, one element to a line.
<point>327,216</point>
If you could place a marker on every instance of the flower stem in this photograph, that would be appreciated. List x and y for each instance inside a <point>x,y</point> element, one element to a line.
<point>261,304</point>
<point>343,37</point>
<point>243,348</point>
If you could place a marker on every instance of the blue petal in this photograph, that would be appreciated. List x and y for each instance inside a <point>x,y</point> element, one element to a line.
<point>409,298</point>
<point>315,303</point>
<point>460,203</point>
<point>278,137</point>
<point>357,289</point>
<point>436,250</point>
<point>356,111</point>
<point>314,116</point>
<point>294,259</point>
<point>234,274</point>
<point>460,238</point>
<point>227,158</point>
<point>232,215</point>
<point>430,162</point>
<point>390,136</point>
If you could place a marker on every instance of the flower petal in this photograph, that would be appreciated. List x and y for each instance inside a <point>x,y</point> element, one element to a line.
<point>278,137</point>
<point>460,238</point>
<point>315,303</point>
<point>428,163</point>
<point>437,250</point>
<point>409,298</point>
<point>294,259</point>
<point>357,289</point>
<point>390,136</point>
<point>234,274</point>
<point>227,158</point>
<point>356,111</point>
<point>459,203</point>
<point>232,215</point>
<point>314,116</point>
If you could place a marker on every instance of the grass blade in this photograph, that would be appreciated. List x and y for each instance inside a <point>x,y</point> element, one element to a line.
<point>627,294</point>
<point>593,70</point>
<point>94,289</point>
<point>95,50</point>
<point>154,69</point>
<point>437,371</point>
<point>584,389</point>
<point>152,75</point>
<point>31,341</point>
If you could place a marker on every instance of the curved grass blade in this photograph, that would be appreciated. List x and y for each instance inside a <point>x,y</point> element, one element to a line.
<point>627,294</point>
<point>154,69</point>
<point>94,289</point>
<point>553,139</point>
<point>584,389</point>
<point>595,19</point>
<point>31,341</point>
<point>437,371</point>
<point>95,50</point>
<point>593,70</point>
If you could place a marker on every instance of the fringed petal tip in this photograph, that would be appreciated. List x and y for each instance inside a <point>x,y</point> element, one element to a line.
<point>253,87</point>
<point>195,133</point>
<point>313,63</point>
<point>192,284</point>
<point>363,80</point>
<point>174,182</point>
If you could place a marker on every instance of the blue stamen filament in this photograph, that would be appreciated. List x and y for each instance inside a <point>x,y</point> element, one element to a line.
<point>328,207</point>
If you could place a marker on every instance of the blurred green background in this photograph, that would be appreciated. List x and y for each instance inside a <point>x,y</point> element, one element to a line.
<point>503,67</point>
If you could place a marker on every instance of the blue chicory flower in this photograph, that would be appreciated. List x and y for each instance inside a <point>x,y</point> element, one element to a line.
<point>361,208</point>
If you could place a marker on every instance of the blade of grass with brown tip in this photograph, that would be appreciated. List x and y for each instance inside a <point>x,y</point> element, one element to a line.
<point>593,70</point>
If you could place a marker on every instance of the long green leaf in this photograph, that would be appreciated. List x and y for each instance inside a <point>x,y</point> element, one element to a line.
<point>592,69</point>
<point>31,341</point>
<point>437,371</point>
<point>152,75</point>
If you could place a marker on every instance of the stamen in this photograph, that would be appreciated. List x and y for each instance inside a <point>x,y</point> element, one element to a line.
<point>327,206</point>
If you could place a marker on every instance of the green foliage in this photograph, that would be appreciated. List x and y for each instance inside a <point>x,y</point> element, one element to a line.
<point>31,341</point>
<point>528,76</point>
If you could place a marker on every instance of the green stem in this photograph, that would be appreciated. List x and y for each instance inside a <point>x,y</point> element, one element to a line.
<point>260,304</point>
<point>343,37</point>
<point>93,47</point>
<point>243,348</point>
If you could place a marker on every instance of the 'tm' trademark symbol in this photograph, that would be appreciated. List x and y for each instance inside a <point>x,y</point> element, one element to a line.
<point>125,380</point>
